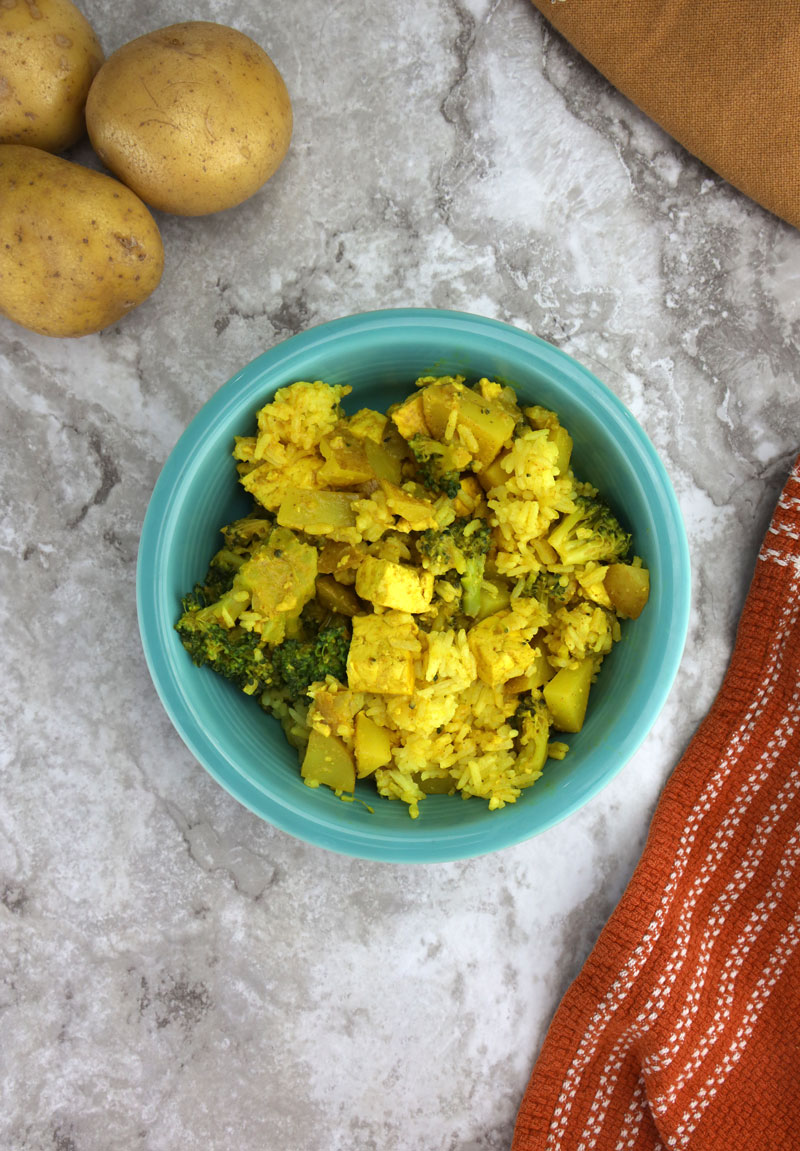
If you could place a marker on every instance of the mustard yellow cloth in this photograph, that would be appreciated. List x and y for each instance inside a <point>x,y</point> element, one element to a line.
<point>720,76</point>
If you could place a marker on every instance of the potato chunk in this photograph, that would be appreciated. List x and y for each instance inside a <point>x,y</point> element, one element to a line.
<point>346,462</point>
<point>385,464</point>
<point>628,588</point>
<point>485,425</point>
<point>280,579</point>
<point>318,513</point>
<point>567,694</point>
<point>336,596</point>
<point>336,557</point>
<point>538,673</point>
<point>494,475</point>
<point>372,744</point>
<point>417,512</point>
<point>440,406</point>
<point>495,597</point>
<point>327,760</point>
<point>563,441</point>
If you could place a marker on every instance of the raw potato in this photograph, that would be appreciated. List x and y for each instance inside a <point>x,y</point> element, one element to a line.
<point>77,249</point>
<point>49,55</point>
<point>194,117</point>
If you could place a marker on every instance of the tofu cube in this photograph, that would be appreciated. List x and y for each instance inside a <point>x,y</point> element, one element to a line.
<point>501,653</point>
<point>382,651</point>
<point>394,585</point>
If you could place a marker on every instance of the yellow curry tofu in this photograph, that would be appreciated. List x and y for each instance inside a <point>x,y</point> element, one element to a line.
<point>382,652</point>
<point>394,585</point>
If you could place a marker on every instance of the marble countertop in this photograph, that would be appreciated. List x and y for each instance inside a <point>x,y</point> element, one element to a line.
<point>173,971</point>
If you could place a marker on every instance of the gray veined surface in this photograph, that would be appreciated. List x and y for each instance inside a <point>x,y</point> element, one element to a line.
<point>172,971</point>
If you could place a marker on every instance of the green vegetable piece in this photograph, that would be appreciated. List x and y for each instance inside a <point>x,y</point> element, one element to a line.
<point>232,653</point>
<point>439,465</point>
<point>298,663</point>
<point>263,571</point>
<point>533,724</point>
<point>460,547</point>
<point>590,532</point>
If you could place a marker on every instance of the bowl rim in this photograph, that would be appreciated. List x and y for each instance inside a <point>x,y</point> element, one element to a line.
<point>240,390</point>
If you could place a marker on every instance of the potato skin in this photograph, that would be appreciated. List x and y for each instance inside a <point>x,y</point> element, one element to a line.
<point>194,117</point>
<point>49,56</point>
<point>77,248</point>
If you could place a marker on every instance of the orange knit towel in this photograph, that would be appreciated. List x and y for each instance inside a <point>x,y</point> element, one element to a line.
<point>683,1028</point>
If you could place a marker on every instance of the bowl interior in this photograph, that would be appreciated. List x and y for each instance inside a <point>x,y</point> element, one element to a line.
<point>380,355</point>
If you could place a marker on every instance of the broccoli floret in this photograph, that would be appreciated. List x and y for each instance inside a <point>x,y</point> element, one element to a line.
<point>590,532</point>
<point>434,469</point>
<point>547,586</point>
<point>299,663</point>
<point>531,709</point>
<point>233,652</point>
<point>230,622</point>
<point>243,536</point>
<point>242,656</point>
<point>460,547</point>
<point>532,721</point>
<point>219,579</point>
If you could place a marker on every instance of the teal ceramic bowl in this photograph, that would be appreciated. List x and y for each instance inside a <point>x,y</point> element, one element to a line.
<point>380,354</point>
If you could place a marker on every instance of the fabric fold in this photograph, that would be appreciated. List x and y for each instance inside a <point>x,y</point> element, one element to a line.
<point>722,77</point>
